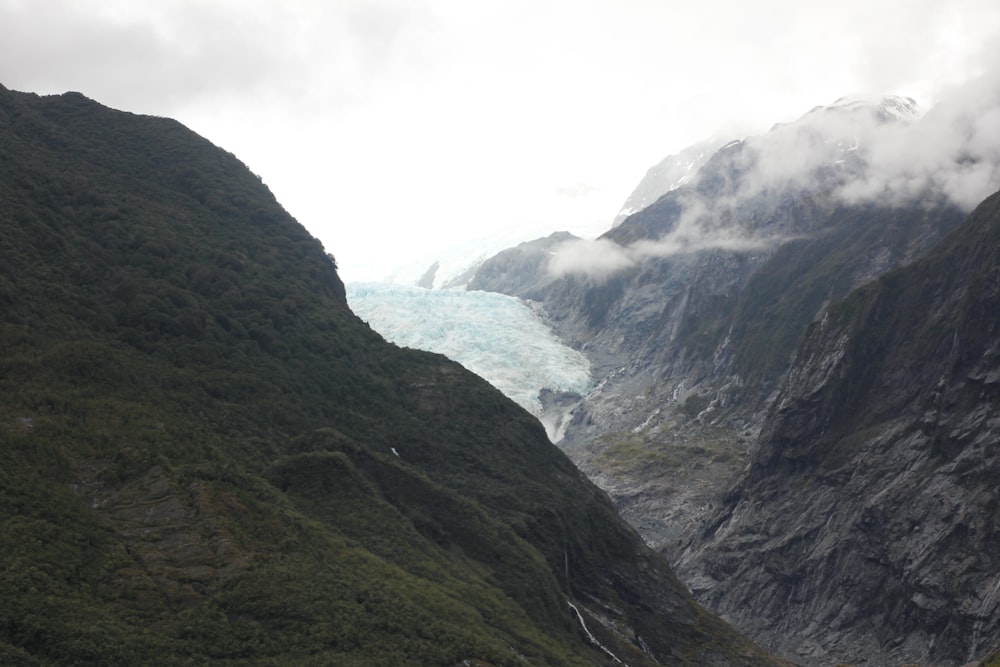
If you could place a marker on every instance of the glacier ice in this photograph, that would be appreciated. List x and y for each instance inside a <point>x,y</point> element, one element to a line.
<point>500,338</point>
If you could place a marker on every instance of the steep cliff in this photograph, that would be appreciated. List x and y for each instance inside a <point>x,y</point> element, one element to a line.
<point>865,527</point>
<point>206,458</point>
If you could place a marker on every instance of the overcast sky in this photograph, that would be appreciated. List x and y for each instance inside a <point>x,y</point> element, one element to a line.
<point>393,128</point>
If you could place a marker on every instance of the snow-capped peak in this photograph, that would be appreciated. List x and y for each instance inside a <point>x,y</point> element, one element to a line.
<point>669,174</point>
<point>888,107</point>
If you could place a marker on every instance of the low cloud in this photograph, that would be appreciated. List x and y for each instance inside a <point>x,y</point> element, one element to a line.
<point>854,151</point>
<point>675,244</point>
<point>954,152</point>
<point>598,260</point>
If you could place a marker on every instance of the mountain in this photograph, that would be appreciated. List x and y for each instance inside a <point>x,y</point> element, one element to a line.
<point>207,458</point>
<point>690,309</point>
<point>455,266</point>
<point>521,270</point>
<point>865,525</point>
<point>668,174</point>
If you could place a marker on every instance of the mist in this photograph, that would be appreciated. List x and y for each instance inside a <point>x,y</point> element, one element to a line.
<point>858,150</point>
<point>954,152</point>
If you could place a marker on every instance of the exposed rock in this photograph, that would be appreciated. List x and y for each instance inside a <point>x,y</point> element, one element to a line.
<point>668,174</point>
<point>427,280</point>
<point>864,528</point>
<point>523,269</point>
<point>690,347</point>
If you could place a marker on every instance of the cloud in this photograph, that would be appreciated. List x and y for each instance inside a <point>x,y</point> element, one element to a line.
<point>856,151</point>
<point>862,152</point>
<point>676,244</point>
<point>157,57</point>
<point>449,102</point>
<point>598,259</point>
<point>146,61</point>
<point>953,152</point>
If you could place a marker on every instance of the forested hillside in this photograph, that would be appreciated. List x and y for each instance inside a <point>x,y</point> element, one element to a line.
<point>205,458</point>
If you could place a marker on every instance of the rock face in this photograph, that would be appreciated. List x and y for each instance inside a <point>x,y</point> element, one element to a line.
<point>861,525</point>
<point>865,527</point>
<point>668,174</point>
<point>717,280</point>
<point>521,269</point>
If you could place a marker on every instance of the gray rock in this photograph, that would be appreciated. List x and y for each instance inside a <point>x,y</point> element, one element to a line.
<point>865,527</point>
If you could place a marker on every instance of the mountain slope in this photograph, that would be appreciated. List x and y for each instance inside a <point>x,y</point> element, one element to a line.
<point>713,285</point>
<point>865,525</point>
<point>668,174</point>
<point>206,458</point>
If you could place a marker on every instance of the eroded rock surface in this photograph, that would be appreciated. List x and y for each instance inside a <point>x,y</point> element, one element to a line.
<point>865,527</point>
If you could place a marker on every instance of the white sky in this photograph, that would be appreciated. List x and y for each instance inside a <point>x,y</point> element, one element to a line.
<point>394,128</point>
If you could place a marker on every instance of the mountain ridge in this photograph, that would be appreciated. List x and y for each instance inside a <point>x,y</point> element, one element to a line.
<point>711,287</point>
<point>883,428</point>
<point>208,458</point>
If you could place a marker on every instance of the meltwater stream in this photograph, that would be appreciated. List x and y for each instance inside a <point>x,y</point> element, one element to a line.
<point>497,337</point>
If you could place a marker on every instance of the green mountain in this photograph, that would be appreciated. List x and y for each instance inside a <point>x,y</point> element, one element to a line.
<point>206,458</point>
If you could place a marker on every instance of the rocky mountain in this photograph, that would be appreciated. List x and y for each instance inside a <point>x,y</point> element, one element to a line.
<point>668,174</point>
<point>522,269</point>
<point>691,309</point>
<point>864,528</point>
<point>206,458</point>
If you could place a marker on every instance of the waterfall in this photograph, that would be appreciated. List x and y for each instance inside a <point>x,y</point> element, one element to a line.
<point>592,638</point>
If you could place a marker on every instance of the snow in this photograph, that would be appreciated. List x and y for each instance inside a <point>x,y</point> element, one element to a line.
<point>499,338</point>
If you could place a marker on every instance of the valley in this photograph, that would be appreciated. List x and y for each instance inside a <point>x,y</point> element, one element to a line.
<point>778,380</point>
<point>696,314</point>
<point>207,458</point>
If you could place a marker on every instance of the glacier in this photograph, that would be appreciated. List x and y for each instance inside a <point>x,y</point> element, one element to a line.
<point>500,338</point>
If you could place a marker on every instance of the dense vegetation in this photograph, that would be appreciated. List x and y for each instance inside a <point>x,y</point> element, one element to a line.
<point>205,457</point>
